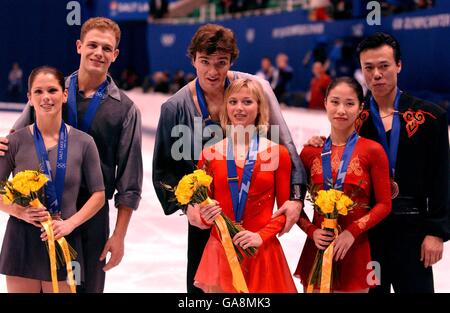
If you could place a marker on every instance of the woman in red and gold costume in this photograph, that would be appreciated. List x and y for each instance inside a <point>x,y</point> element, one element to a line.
<point>363,173</point>
<point>249,173</point>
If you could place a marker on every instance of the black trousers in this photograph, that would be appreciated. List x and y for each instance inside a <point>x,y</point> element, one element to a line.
<point>396,244</point>
<point>197,239</point>
<point>94,234</point>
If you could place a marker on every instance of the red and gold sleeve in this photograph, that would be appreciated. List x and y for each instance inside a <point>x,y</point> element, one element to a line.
<point>379,175</point>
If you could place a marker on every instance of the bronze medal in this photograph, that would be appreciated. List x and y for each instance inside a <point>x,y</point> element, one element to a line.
<point>394,189</point>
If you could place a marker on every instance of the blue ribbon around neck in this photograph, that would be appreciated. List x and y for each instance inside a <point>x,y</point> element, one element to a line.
<point>391,151</point>
<point>54,188</point>
<point>343,165</point>
<point>239,197</point>
<point>94,104</point>
<point>202,102</point>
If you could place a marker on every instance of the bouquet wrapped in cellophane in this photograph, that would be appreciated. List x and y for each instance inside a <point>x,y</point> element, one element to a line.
<point>24,189</point>
<point>330,203</point>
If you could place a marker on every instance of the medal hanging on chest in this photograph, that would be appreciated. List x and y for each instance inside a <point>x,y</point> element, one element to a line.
<point>394,188</point>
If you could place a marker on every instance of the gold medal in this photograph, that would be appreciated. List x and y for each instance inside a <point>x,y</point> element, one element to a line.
<point>394,189</point>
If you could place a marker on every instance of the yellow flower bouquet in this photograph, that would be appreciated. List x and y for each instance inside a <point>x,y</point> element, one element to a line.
<point>193,188</point>
<point>24,189</point>
<point>330,203</point>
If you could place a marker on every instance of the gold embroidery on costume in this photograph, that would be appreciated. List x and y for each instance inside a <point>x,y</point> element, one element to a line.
<point>413,120</point>
<point>361,119</point>
<point>354,166</point>
<point>316,168</point>
<point>362,222</point>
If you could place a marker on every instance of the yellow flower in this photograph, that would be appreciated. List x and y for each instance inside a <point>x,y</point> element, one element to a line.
<point>22,187</point>
<point>203,179</point>
<point>184,190</point>
<point>324,202</point>
<point>183,197</point>
<point>343,205</point>
<point>26,182</point>
<point>334,194</point>
<point>38,182</point>
<point>189,184</point>
<point>185,182</point>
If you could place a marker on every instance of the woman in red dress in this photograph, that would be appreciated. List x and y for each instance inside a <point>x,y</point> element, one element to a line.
<point>264,165</point>
<point>366,178</point>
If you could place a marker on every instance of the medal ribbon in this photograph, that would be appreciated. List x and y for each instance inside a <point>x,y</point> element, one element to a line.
<point>54,188</point>
<point>239,198</point>
<point>391,151</point>
<point>343,165</point>
<point>94,104</point>
<point>202,102</point>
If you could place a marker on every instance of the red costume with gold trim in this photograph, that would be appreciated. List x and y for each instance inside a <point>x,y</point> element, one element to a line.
<point>367,173</point>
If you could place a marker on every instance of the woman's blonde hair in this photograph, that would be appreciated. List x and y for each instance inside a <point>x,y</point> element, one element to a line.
<point>256,90</point>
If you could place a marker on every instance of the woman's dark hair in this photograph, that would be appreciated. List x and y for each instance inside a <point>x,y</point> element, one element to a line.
<point>377,40</point>
<point>45,69</point>
<point>210,38</point>
<point>351,82</point>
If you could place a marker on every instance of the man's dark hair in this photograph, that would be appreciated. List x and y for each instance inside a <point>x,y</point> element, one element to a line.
<point>377,40</point>
<point>211,38</point>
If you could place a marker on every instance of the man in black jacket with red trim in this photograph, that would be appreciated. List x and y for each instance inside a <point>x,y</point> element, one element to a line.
<point>409,241</point>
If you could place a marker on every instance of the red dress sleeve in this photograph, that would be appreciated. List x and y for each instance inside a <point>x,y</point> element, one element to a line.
<point>282,192</point>
<point>379,175</point>
<point>303,222</point>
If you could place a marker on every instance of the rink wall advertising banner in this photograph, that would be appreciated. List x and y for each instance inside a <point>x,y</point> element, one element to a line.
<point>123,10</point>
<point>420,33</point>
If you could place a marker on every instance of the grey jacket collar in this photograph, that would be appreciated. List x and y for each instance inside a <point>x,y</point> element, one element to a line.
<point>112,90</point>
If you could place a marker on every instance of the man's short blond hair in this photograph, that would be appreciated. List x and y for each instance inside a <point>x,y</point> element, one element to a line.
<point>101,23</point>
